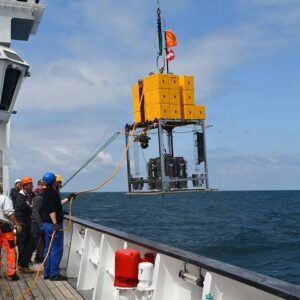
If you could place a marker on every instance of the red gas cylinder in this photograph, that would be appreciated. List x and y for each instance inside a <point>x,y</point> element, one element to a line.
<point>126,268</point>
<point>148,257</point>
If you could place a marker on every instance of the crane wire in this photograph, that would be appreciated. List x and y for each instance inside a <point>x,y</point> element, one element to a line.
<point>98,151</point>
<point>96,146</point>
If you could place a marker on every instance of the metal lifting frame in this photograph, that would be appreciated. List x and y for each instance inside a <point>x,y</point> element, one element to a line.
<point>166,127</point>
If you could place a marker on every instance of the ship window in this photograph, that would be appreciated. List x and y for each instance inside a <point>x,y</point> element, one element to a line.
<point>10,83</point>
<point>13,56</point>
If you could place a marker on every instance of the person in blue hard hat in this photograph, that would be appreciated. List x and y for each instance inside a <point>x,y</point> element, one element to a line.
<point>52,221</point>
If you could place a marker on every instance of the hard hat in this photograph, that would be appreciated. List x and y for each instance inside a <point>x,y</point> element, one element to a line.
<point>49,178</point>
<point>58,178</point>
<point>26,180</point>
<point>17,181</point>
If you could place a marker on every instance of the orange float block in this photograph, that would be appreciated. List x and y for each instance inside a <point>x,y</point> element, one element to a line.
<point>187,97</point>
<point>158,111</point>
<point>186,82</point>
<point>175,112</point>
<point>156,81</point>
<point>173,81</point>
<point>157,96</point>
<point>200,113</point>
<point>188,112</point>
<point>174,97</point>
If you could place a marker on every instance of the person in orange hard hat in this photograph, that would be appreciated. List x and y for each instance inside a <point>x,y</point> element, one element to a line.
<point>7,239</point>
<point>25,239</point>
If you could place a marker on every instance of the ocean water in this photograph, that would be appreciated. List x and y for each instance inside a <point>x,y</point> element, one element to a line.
<point>255,230</point>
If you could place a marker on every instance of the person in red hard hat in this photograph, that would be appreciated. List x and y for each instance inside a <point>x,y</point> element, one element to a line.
<point>36,221</point>
<point>25,240</point>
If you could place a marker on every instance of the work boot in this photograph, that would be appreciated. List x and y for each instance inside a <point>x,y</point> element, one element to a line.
<point>26,270</point>
<point>14,277</point>
<point>38,260</point>
<point>58,278</point>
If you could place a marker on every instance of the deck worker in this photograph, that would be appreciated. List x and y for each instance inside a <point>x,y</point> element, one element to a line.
<point>59,185</point>
<point>36,222</point>
<point>40,186</point>
<point>25,240</point>
<point>52,218</point>
<point>59,181</point>
<point>15,191</point>
<point>7,239</point>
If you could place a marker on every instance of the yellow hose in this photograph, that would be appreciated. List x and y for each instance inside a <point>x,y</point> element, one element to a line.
<point>25,292</point>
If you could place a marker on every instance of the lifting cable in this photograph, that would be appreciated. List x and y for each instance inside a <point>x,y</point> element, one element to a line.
<point>68,226</point>
<point>91,158</point>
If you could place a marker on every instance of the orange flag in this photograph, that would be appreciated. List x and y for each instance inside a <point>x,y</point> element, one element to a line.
<point>171,40</point>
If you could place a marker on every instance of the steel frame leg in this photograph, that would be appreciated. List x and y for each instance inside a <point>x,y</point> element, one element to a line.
<point>205,157</point>
<point>162,157</point>
<point>128,161</point>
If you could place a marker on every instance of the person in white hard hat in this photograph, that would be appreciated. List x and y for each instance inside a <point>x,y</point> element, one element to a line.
<point>15,191</point>
<point>7,238</point>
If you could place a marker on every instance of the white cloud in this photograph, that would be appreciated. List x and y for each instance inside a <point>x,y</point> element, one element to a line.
<point>105,158</point>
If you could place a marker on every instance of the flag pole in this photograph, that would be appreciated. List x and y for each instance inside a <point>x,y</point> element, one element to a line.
<point>166,48</point>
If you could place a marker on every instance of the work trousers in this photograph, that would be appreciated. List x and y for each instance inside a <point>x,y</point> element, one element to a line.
<point>26,246</point>
<point>39,239</point>
<point>7,240</point>
<point>51,267</point>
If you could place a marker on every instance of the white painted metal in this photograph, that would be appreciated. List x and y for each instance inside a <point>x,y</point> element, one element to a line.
<point>22,66</point>
<point>17,21</point>
<point>145,275</point>
<point>91,261</point>
<point>10,9</point>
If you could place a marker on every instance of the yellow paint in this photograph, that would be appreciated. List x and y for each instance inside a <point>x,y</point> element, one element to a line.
<point>137,117</point>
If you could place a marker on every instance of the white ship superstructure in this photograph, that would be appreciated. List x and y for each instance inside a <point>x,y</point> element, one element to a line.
<point>18,20</point>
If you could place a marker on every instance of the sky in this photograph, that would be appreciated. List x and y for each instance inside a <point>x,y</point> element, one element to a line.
<point>244,55</point>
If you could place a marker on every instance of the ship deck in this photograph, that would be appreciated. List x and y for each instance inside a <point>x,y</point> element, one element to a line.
<point>44,289</point>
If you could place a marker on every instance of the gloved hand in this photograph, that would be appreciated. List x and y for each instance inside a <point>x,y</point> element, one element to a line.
<point>72,196</point>
<point>56,228</point>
